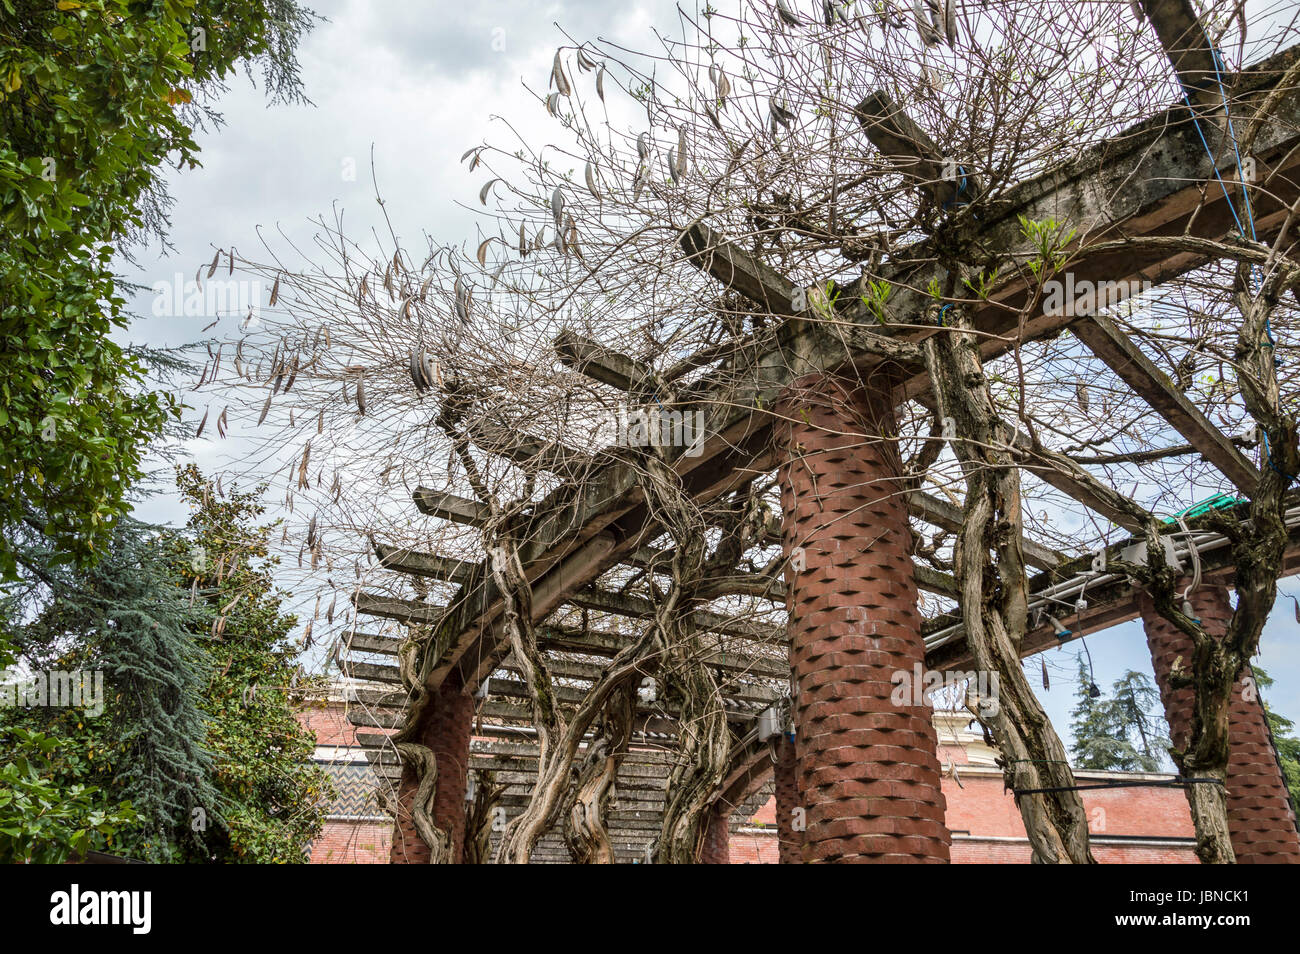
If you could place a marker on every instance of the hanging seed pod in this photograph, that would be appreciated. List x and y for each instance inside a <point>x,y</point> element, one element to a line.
<point>1047,683</point>
<point>553,105</point>
<point>590,175</point>
<point>643,146</point>
<point>558,78</point>
<point>361,396</point>
<point>672,166</point>
<point>481,255</point>
<point>212,269</point>
<point>950,21</point>
<point>222,424</point>
<point>600,83</point>
<point>787,15</point>
<point>486,190</point>
<point>1081,392</point>
<point>275,290</point>
<point>202,424</point>
<point>265,408</point>
<point>926,21</point>
<point>523,242</point>
<point>585,63</point>
<point>417,370</point>
<point>573,238</point>
<point>557,206</point>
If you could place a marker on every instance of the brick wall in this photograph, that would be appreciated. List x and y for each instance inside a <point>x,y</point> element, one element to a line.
<point>346,842</point>
<point>987,828</point>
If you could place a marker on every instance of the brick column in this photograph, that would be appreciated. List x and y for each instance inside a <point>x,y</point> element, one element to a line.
<point>790,841</point>
<point>1260,821</point>
<point>716,849</point>
<point>445,728</point>
<point>868,770</point>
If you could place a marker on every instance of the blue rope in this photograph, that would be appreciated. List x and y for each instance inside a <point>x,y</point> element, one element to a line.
<point>1217,59</point>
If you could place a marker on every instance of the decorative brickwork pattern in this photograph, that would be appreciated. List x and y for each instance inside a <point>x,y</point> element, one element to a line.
<point>445,728</point>
<point>787,801</point>
<point>868,769</point>
<point>715,849</point>
<point>1260,821</point>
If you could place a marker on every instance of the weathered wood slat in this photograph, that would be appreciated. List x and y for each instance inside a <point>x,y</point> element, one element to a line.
<point>1123,356</point>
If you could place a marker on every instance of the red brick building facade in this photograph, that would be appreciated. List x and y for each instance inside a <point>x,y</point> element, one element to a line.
<point>1130,825</point>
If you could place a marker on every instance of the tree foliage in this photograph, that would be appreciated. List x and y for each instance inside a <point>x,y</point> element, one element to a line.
<point>1119,733</point>
<point>198,733</point>
<point>94,97</point>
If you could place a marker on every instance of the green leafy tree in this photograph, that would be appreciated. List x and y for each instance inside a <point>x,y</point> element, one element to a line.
<point>95,96</point>
<point>42,822</point>
<point>1117,734</point>
<point>274,797</point>
<point>198,734</point>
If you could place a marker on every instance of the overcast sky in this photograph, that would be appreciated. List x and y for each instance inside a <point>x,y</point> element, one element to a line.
<point>418,83</point>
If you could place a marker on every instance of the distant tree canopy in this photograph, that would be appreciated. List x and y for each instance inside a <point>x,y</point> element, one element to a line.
<point>94,97</point>
<point>1119,733</point>
<point>197,733</point>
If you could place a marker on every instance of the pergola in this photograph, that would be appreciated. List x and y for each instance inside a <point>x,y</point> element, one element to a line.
<point>1158,180</point>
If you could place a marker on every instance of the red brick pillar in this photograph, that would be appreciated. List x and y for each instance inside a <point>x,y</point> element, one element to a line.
<point>789,837</point>
<point>868,770</point>
<point>1260,821</point>
<point>716,847</point>
<point>445,728</point>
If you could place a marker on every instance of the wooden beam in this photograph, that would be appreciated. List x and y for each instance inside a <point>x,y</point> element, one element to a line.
<point>429,565</point>
<point>636,607</point>
<point>526,450</point>
<point>411,612</point>
<point>1183,36</point>
<point>908,148</point>
<point>737,269</point>
<point>1122,356</point>
<point>603,364</point>
<point>463,510</point>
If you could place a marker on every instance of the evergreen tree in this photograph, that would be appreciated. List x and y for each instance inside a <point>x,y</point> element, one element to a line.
<point>198,734</point>
<point>127,621</point>
<point>1118,734</point>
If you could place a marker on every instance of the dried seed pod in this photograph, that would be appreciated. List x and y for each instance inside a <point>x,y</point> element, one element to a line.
<point>558,78</point>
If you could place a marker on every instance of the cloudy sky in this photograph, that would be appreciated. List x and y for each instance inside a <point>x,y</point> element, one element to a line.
<point>414,85</point>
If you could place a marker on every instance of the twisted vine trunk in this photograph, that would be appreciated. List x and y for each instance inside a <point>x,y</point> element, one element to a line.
<point>705,750</point>
<point>994,602</point>
<point>1258,548</point>
<point>425,765</point>
<point>558,739</point>
<point>586,831</point>
<point>479,816</point>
